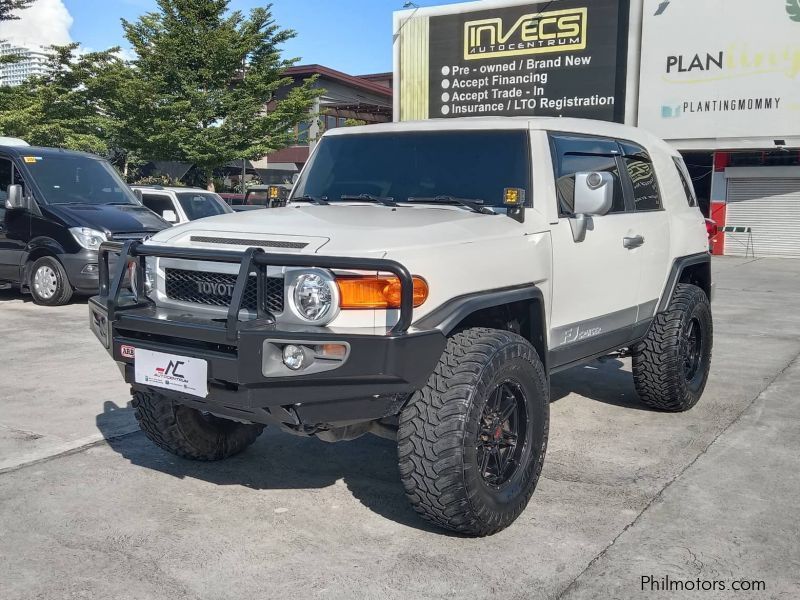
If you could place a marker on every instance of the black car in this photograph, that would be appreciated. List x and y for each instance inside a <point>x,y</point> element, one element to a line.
<point>56,208</point>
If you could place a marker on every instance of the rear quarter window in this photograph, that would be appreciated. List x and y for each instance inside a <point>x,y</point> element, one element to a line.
<point>642,174</point>
<point>686,181</point>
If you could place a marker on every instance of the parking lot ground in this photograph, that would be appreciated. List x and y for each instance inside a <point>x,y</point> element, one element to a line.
<point>54,377</point>
<point>625,492</point>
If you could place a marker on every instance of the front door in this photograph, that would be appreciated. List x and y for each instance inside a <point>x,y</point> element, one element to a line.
<point>14,225</point>
<point>596,280</point>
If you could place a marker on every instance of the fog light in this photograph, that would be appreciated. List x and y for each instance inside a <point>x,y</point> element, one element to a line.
<point>293,357</point>
<point>90,269</point>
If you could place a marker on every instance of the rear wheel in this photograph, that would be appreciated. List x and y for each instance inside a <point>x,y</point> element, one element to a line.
<point>49,284</point>
<point>671,365</point>
<point>191,433</point>
<point>472,442</point>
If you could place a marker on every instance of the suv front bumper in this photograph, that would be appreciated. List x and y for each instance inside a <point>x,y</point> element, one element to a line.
<point>82,271</point>
<point>381,368</point>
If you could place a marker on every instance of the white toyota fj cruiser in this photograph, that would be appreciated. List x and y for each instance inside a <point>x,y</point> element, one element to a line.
<point>422,284</point>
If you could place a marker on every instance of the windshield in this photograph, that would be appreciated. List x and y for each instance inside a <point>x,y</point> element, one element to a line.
<point>72,179</point>
<point>466,164</point>
<point>258,198</point>
<point>198,205</point>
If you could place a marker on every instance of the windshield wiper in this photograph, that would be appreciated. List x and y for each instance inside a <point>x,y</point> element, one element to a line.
<point>370,198</point>
<point>475,205</point>
<point>321,201</point>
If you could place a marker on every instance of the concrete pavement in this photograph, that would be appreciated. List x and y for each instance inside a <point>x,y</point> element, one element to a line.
<point>54,379</point>
<point>625,493</point>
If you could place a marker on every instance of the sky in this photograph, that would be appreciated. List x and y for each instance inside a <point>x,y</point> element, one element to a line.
<point>354,36</point>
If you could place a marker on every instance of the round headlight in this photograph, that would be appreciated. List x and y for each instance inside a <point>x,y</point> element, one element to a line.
<point>313,296</point>
<point>133,280</point>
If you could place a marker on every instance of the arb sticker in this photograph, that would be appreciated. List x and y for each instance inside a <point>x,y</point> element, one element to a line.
<point>127,351</point>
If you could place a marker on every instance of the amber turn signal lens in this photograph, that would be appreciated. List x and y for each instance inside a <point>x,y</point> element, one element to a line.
<point>377,292</point>
<point>332,351</point>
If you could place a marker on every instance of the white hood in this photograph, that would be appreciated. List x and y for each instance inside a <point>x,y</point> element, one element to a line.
<point>342,229</point>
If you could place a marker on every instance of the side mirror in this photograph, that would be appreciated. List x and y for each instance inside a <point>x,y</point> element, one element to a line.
<point>15,198</point>
<point>295,177</point>
<point>169,216</point>
<point>594,193</point>
<point>594,196</point>
<point>139,196</point>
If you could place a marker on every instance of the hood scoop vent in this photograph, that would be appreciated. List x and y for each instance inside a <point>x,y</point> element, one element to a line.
<point>284,245</point>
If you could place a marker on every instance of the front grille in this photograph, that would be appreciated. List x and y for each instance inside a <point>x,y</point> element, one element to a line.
<point>135,236</point>
<point>216,289</point>
<point>256,243</point>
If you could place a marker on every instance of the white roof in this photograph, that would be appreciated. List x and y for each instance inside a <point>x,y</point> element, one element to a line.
<point>9,141</point>
<point>561,124</point>
<point>159,188</point>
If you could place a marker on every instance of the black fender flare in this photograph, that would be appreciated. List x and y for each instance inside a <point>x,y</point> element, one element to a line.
<point>447,316</point>
<point>679,265</point>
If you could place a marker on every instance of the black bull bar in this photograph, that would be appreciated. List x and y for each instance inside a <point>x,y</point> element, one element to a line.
<point>251,260</point>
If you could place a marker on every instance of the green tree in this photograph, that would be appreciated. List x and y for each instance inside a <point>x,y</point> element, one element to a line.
<point>68,107</point>
<point>215,84</point>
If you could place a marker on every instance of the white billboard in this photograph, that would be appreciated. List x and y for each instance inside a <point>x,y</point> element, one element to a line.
<point>721,73</point>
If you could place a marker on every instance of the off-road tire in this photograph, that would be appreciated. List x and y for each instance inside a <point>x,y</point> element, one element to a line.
<point>63,288</point>
<point>188,432</point>
<point>659,362</point>
<point>439,429</point>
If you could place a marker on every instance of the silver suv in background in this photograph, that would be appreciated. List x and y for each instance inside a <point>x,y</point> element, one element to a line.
<point>178,205</point>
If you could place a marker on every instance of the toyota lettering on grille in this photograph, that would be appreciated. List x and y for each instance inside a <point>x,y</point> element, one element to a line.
<point>215,289</point>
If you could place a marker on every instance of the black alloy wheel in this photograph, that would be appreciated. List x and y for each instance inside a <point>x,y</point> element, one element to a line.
<point>498,446</point>
<point>692,350</point>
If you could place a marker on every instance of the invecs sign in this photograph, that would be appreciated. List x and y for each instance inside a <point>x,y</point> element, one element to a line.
<point>519,59</point>
<point>534,33</point>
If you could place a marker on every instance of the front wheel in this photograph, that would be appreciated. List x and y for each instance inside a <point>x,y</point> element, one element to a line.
<point>671,365</point>
<point>191,433</point>
<point>471,443</point>
<point>49,284</point>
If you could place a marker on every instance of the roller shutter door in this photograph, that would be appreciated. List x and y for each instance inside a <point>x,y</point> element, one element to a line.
<point>772,208</point>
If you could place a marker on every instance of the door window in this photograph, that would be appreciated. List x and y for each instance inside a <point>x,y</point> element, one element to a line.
<point>642,174</point>
<point>8,175</point>
<point>6,172</point>
<point>158,203</point>
<point>580,154</point>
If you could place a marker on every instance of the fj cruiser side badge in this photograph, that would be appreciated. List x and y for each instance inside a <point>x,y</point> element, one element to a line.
<point>31,159</point>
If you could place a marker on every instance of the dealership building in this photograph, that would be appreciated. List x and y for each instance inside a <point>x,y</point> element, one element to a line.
<point>720,82</point>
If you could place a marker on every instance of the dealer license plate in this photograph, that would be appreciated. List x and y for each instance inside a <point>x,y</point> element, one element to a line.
<point>172,372</point>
